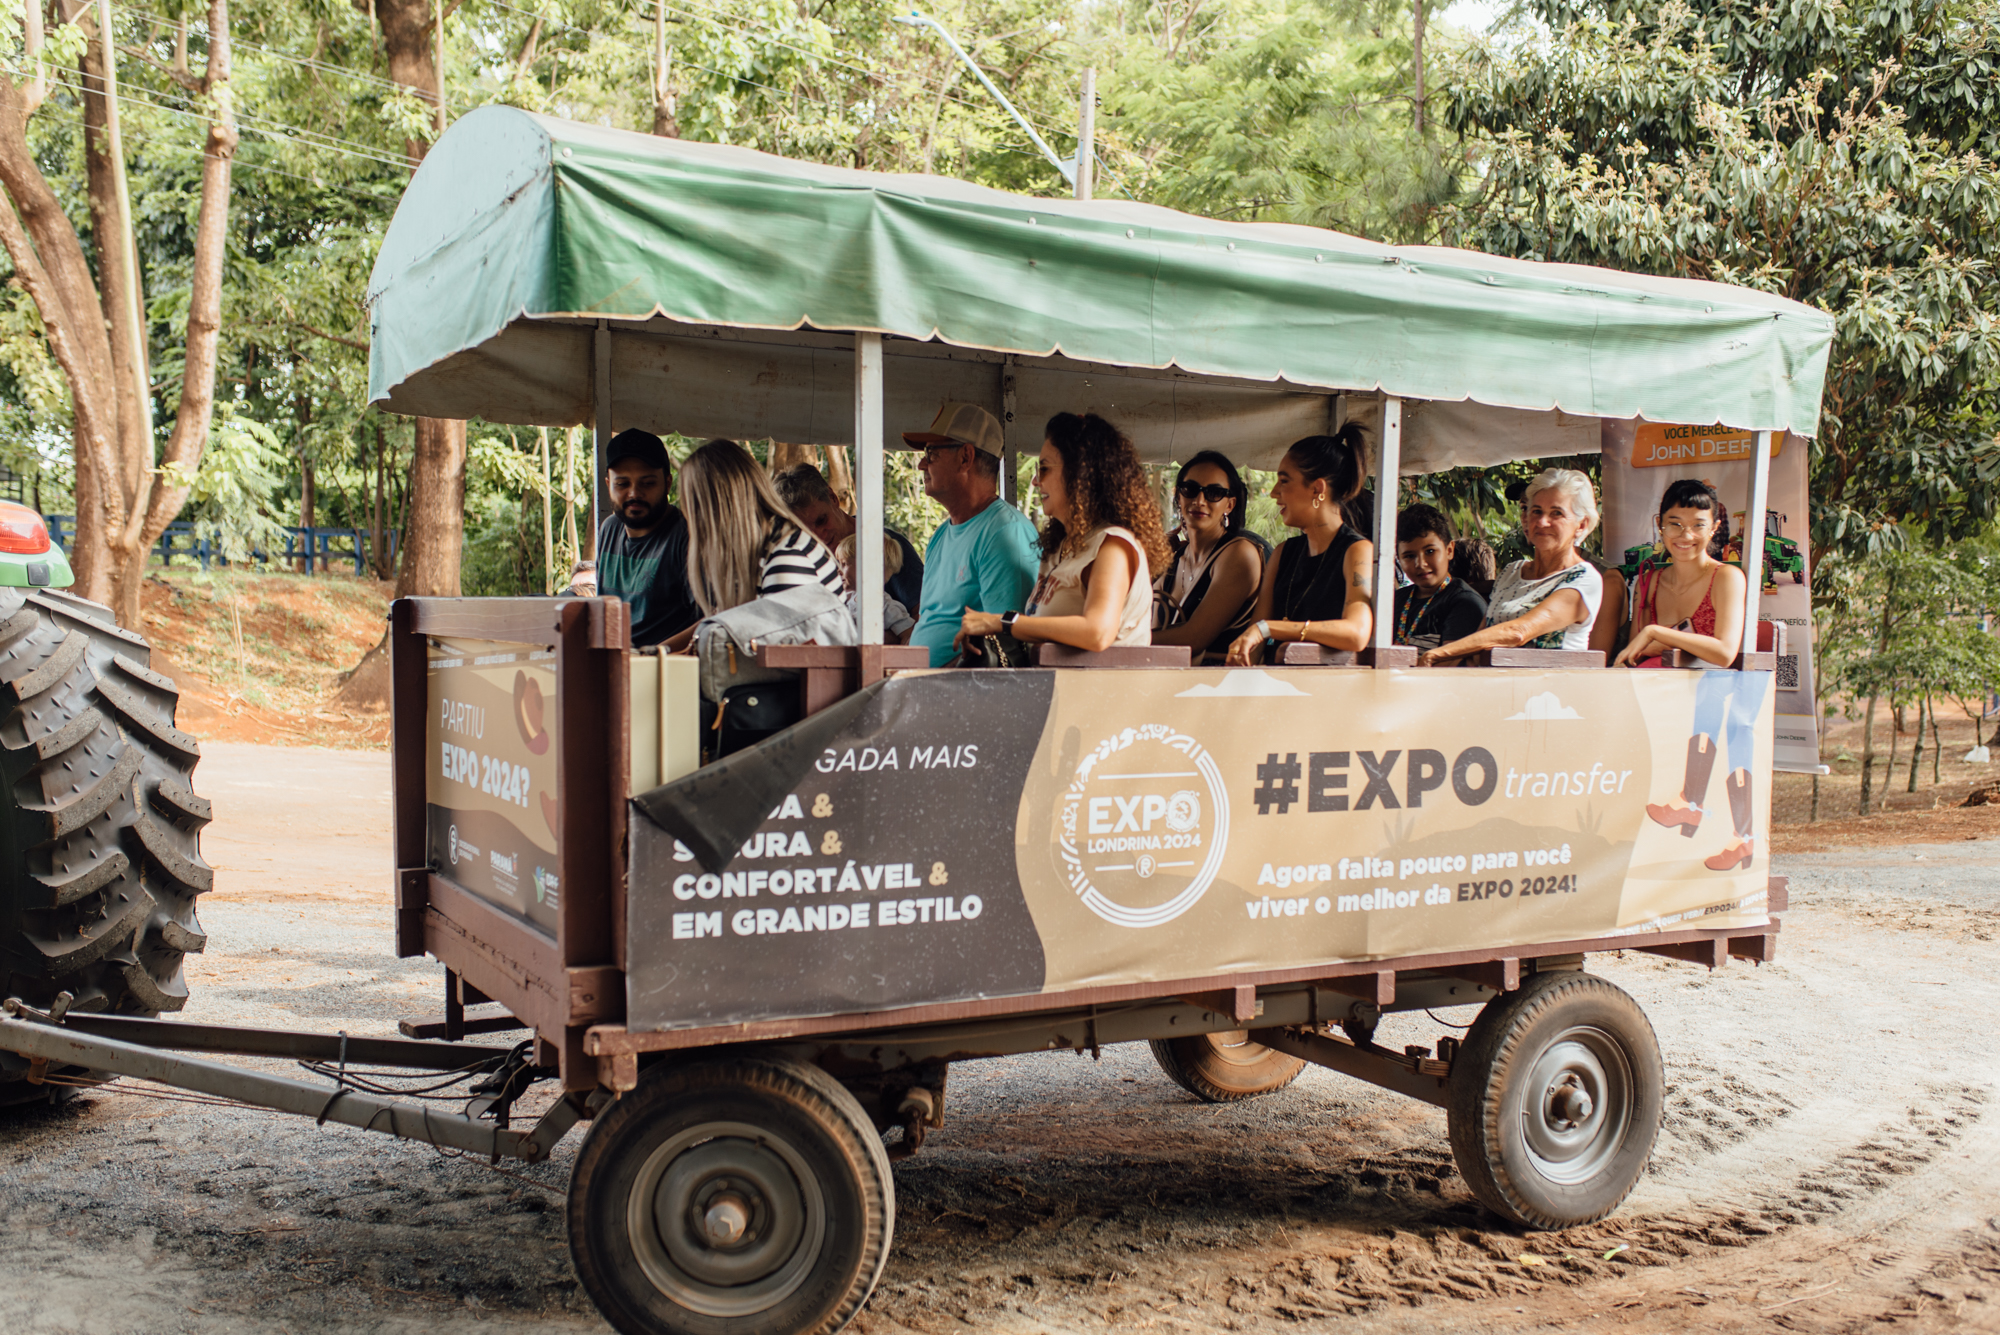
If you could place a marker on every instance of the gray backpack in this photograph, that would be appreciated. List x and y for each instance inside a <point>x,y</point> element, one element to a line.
<point>726,644</point>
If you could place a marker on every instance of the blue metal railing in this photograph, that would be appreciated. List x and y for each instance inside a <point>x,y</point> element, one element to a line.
<point>202,544</point>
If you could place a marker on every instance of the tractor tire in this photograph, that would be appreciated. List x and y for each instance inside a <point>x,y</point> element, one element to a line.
<point>100,857</point>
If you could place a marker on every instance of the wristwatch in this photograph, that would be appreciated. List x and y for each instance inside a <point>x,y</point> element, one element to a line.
<point>1007,621</point>
<point>1263,630</point>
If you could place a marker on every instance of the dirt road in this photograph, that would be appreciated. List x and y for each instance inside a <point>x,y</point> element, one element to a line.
<point>1830,1159</point>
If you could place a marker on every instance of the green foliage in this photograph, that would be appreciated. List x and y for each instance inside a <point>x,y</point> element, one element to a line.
<point>1288,110</point>
<point>1842,156</point>
<point>231,493</point>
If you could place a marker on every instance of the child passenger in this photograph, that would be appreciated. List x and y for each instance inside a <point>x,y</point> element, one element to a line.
<point>896,619</point>
<point>1435,607</point>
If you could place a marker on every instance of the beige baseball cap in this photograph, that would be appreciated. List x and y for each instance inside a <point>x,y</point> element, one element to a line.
<point>961,424</point>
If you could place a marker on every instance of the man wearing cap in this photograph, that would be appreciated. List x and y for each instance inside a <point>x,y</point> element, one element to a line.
<point>985,558</point>
<point>642,546</point>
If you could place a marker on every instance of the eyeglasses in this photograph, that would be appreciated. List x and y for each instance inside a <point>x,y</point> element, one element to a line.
<point>929,454</point>
<point>1216,494</point>
<point>1678,529</point>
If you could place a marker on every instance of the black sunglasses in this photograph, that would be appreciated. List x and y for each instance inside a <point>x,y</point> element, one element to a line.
<point>1216,493</point>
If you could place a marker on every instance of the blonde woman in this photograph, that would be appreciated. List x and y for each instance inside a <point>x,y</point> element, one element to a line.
<point>1549,600</point>
<point>743,541</point>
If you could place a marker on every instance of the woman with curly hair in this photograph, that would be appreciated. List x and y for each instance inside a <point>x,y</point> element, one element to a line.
<point>1102,541</point>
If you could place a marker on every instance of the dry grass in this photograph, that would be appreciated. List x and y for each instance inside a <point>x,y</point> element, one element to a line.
<point>1930,814</point>
<point>258,656</point>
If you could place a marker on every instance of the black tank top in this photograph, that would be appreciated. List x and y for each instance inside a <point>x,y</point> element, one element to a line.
<point>1312,588</point>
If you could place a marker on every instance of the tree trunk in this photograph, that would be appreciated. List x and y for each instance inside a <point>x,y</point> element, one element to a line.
<point>1868,721</point>
<point>1889,770</point>
<point>433,537</point>
<point>436,510</point>
<point>306,513</point>
<point>665,124</point>
<point>124,502</point>
<point>378,540</point>
<point>1417,59</point>
<point>1917,755</point>
<point>1937,744</point>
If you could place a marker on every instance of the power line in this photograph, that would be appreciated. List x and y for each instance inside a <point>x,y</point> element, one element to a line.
<point>628,45</point>
<point>307,61</point>
<point>269,128</point>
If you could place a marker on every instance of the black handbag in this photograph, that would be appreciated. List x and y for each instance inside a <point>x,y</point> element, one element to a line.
<point>746,715</point>
<point>997,651</point>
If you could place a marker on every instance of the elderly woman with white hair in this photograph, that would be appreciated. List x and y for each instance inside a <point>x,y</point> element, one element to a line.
<point>1550,600</point>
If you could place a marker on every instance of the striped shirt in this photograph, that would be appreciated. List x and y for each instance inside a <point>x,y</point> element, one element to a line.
<point>797,557</point>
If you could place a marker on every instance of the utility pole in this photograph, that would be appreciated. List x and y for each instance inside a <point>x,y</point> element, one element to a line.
<point>1086,136</point>
<point>916,19</point>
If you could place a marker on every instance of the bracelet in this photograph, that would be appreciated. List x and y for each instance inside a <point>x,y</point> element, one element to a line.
<point>1304,626</point>
<point>1263,629</point>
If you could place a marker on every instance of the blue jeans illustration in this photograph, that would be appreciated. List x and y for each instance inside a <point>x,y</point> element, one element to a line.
<point>1725,707</point>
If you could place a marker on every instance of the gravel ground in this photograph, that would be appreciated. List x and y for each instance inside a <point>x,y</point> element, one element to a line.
<point>1830,1157</point>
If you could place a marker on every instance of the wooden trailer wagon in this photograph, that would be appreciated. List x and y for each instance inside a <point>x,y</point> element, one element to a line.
<point>752,978</point>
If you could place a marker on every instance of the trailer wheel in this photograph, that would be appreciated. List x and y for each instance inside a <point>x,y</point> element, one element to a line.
<point>100,858</point>
<point>1555,1099</point>
<point>1225,1067</point>
<point>726,1197</point>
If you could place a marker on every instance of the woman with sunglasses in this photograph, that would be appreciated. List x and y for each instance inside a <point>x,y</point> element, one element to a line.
<point>1320,588</point>
<point>1207,595</point>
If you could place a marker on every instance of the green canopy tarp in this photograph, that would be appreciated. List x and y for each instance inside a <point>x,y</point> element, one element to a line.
<point>517,221</point>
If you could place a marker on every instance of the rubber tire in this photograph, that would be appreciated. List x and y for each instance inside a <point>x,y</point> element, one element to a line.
<point>100,858</point>
<point>790,1102</point>
<point>1487,1091</point>
<point>1225,1067</point>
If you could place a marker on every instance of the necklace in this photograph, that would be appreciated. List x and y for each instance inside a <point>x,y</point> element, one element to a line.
<point>1327,559</point>
<point>1413,614</point>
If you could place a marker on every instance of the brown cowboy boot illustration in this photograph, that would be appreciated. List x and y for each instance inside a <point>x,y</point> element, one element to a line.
<point>1686,812</point>
<point>1738,854</point>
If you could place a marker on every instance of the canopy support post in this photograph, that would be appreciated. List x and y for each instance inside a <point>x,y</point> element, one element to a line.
<point>1753,539</point>
<point>1010,468</point>
<point>1388,478</point>
<point>868,482</point>
<point>600,423</point>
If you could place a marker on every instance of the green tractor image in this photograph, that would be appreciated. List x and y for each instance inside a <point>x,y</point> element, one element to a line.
<point>100,862</point>
<point>1781,555</point>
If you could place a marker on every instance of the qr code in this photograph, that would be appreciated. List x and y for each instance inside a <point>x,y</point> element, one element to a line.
<point>1788,672</point>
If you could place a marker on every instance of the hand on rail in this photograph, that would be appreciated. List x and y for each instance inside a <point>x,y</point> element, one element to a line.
<point>974,625</point>
<point>1246,648</point>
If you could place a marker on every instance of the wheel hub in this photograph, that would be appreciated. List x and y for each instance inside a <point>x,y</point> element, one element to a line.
<point>1578,1104</point>
<point>726,1219</point>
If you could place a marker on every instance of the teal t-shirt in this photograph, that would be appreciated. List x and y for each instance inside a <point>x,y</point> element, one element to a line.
<point>988,564</point>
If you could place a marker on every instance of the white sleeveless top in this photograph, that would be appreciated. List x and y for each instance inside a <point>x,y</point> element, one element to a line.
<point>1059,591</point>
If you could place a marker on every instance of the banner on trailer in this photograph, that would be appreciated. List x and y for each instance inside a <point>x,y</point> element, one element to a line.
<point>1640,459</point>
<point>490,779</point>
<point>981,834</point>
